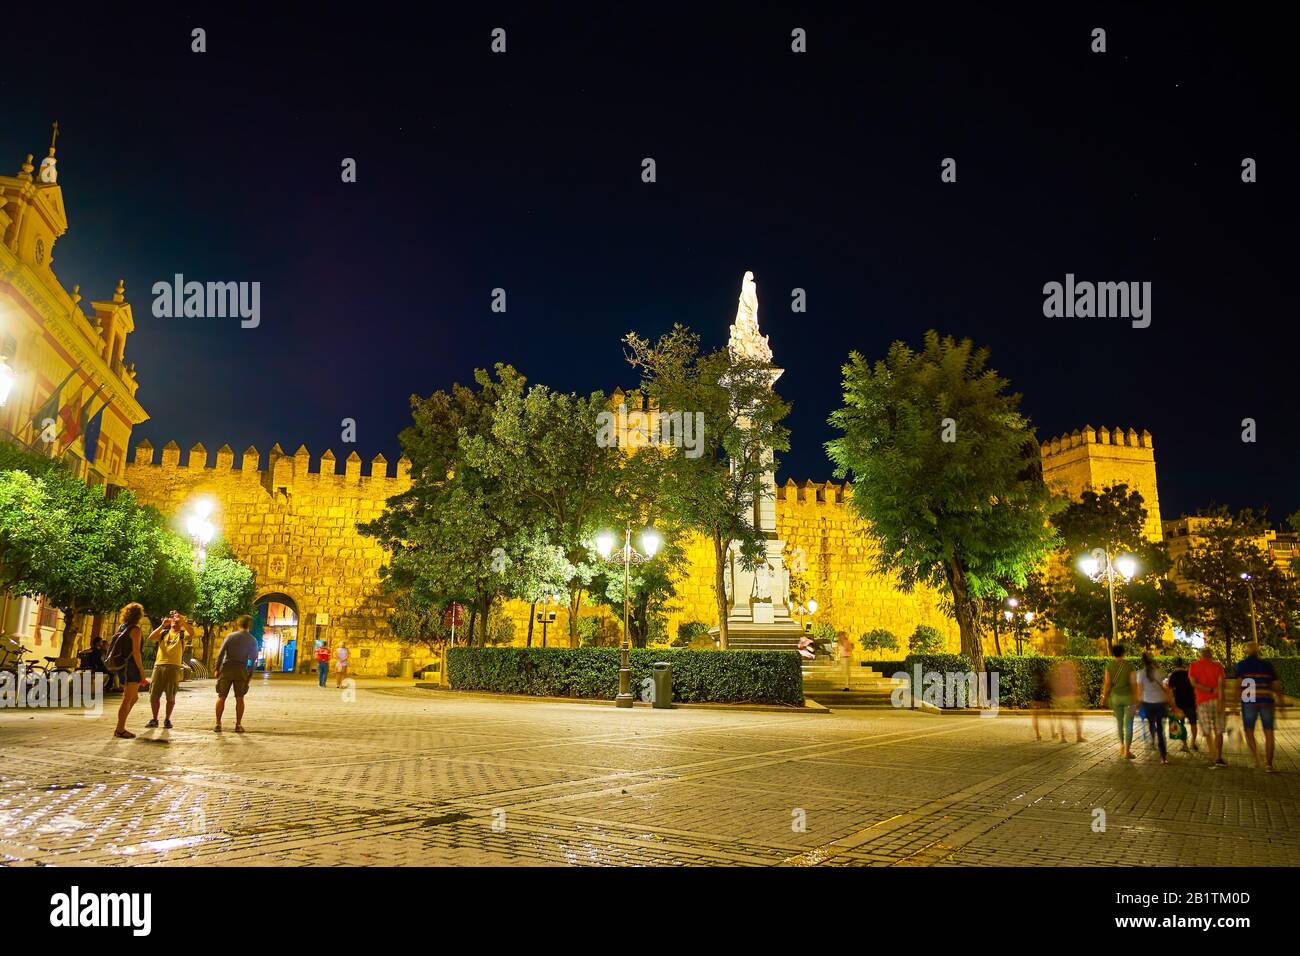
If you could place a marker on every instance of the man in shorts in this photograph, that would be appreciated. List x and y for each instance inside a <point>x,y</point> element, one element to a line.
<point>1206,676</point>
<point>234,667</point>
<point>167,668</point>
<point>1260,690</point>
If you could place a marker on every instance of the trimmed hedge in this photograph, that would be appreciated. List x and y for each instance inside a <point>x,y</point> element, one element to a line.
<point>733,677</point>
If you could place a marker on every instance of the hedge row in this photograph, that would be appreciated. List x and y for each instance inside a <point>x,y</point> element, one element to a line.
<point>750,677</point>
<point>1020,684</point>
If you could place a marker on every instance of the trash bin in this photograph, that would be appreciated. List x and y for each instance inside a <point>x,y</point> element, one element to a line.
<point>408,669</point>
<point>663,678</point>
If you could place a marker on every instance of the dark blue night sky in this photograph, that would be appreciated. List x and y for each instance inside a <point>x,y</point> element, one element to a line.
<point>818,171</point>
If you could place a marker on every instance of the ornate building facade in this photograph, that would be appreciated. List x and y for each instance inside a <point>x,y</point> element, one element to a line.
<point>66,382</point>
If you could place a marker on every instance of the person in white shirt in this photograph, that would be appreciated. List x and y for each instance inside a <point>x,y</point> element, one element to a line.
<point>1155,701</point>
<point>341,657</point>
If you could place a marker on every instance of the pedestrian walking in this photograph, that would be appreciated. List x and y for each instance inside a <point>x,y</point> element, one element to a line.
<point>1040,702</point>
<point>1206,676</point>
<point>234,667</point>
<point>167,667</point>
<point>1180,685</point>
<point>341,658</point>
<point>1261,692</point>
<point>1119,691</point>
<point>1155,702</point>
<point>1063,681</point>
<point>845,650</point>
<point>323,661</point>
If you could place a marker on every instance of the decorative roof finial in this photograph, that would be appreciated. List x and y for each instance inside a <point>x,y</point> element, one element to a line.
<point>25,172</point>
<point>76,294</point>
<point>119,295</point>
<point>48,173</point>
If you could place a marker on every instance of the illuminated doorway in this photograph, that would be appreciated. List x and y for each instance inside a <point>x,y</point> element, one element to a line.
<point>275,625</point>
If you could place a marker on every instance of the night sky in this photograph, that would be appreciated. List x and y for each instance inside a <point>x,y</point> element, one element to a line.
<point>819,171</point>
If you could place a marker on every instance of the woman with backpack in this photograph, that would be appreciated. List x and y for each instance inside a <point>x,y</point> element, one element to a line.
<point>124,658</point>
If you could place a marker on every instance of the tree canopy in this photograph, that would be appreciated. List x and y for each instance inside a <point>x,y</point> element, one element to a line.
<point>946,473</point>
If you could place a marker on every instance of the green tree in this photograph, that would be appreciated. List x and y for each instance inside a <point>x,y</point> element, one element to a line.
<point>419,624</point>
<point>225,589</point>
<point>946,473</point>
<point>717,485</point>
<point>173,585</point>
<point>879,639</point>
<point>449,535</point>
<point>926,640</point>
<point>537,569</point>
<point>543,450</point>
<point>1114,520</point>
<point>1228,546</point>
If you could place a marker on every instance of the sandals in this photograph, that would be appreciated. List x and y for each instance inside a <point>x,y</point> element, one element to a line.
<point>124,734</point>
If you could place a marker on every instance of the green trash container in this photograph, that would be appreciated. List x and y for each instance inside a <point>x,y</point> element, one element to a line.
<point>663,678</point>
<point>408,669</point>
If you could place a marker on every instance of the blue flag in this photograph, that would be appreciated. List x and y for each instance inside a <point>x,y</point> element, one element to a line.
<point>90,437</point>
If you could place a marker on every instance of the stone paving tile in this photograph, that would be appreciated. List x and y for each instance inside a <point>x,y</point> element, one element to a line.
<point>395,776</point>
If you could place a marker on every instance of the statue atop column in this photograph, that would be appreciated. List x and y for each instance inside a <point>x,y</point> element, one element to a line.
<point>744,341</point>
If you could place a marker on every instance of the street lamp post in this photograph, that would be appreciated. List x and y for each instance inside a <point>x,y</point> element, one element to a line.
<point>1100,564</point>
<point>802,609</point>
<point>605,542</point>
<point>546,616</point>
<point>1250,593</point>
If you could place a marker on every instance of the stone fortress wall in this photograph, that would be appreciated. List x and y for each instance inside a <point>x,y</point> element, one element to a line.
<point>295,525</point>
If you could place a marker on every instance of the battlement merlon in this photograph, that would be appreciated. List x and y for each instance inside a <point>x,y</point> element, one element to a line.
<point>252,461</point>
<point>824,492</point>
<point>1088,435</point>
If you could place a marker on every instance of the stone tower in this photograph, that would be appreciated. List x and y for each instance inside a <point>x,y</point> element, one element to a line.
<point>1097,458</point>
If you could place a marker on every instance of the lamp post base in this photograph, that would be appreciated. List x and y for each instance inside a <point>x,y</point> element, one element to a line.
<point>624,698</point>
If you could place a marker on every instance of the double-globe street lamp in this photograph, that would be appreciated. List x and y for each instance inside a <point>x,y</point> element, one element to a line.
<point>1100,565</point>
<point>809,607</point>
<point>1019,621</point>
<point>546,616</point>
<point>605,543</point>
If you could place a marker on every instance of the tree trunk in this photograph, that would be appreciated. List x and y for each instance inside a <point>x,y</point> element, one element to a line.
<point>720,587</point>
<point>967,615</point>
<point>485,615</point>
<point>997,645</point>
<point>473,616</point>
<point>532,615</point>
<point>207,646</point>
<point>71,623</point>
<point>575,604</point>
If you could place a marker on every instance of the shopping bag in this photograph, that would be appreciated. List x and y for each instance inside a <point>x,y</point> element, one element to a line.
<point>1177,729</point>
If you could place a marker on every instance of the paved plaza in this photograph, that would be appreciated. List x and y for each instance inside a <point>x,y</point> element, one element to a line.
<point>391,774</point>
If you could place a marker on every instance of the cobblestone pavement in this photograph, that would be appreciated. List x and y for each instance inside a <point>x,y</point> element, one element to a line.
<point>395,775</point>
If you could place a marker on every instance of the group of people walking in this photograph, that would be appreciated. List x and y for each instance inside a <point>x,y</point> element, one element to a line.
<point>1197,696</point>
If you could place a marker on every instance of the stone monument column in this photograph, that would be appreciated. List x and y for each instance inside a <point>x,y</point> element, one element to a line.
<point>759,602</point>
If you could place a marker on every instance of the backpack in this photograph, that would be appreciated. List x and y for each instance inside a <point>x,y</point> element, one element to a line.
<point>119,650</point>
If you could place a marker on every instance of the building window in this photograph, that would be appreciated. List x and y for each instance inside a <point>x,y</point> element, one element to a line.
<point>49,616</point>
